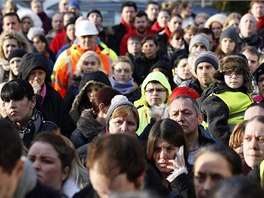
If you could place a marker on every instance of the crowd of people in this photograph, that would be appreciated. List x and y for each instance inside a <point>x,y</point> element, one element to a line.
<point>164,104</point>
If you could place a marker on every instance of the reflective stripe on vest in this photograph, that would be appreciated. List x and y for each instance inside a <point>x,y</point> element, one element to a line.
<point>237,103</point>
<point>68,63</point>
<point>59,83</point>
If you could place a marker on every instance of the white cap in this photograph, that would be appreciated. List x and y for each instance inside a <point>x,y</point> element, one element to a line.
<point>84,28</point>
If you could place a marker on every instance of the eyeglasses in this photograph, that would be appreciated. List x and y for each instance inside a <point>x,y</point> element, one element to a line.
<point>158,90</point>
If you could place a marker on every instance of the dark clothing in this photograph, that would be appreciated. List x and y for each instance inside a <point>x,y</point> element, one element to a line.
<point>255,40</point>
<point>54,109</point>
<point>196,86</point>
<point>119,31</point>
<point>41,191</point>
<point>87,129</point>
<point>35,125</point>
<point>142,66</point>
<point>217,112</point>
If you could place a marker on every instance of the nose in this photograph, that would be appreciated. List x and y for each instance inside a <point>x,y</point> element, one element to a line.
<point>253,144</point>
<point>180,118</point>
<point>208,184</point>
<point>163,154</point>
<point>36,165</point>
<point>124,127</point>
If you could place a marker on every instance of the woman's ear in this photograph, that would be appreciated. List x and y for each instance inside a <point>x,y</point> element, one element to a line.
<point>65,173</point>
<point>103,108</point>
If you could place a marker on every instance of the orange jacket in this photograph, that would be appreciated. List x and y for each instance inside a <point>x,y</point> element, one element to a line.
<point>65,67</point>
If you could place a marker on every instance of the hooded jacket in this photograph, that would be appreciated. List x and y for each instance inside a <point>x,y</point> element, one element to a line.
<point>144,110</point>
<point>51,104</point>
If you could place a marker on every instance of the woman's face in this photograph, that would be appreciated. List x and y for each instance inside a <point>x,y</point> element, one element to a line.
<point>176,41</point>
<point>163,152</point>
<point>209,169</point>
<point>26,24</point>
<point>122,72</point>
<point>163,18</point>
<point>39,44</point>
<point>228,45</point>
<point>217,29</point>
<point>48,167</point>
<point>70,31</point>
<point>91,91</point>
<point>183,69</point>
<point>8,46</point>
<point>90,64</point>
<point>125,124</point>
<point>37,76</point>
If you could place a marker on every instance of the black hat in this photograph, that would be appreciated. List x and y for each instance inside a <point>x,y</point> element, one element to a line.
<point>230,33</point>
<point>95,11</point>
<point>259,71</point>
<point>16,53</point>
<point>97,76</point>
<point>31,61</point>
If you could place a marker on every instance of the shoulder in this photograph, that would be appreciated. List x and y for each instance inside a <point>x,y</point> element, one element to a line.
<point>42,191</point>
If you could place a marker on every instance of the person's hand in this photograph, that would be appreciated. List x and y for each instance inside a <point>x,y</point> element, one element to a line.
<point>177,165</point>
<point>36,87</point>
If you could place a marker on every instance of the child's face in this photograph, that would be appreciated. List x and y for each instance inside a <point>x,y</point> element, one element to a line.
<point>234,80</point>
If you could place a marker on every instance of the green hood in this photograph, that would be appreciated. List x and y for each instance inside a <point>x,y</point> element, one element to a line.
<point>153,76</point>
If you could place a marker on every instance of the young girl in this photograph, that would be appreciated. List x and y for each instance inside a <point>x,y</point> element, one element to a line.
<point>225,101</point>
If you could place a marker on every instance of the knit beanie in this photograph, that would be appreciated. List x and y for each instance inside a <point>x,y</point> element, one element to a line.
<point>95,11</point>
<point>117,101</point>
<point>74,3</point>
<point>199,38</point>
<point>16,53</point>
<point>230,33</point>
<point>259,71</point>
<point>208,57</point>
<point>31,61</point>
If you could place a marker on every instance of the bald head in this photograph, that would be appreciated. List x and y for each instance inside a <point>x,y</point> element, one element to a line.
<point>248,25</point>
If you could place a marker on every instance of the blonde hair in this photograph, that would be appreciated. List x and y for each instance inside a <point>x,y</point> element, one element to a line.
<point>79,64</point>
<point>123,59</point>
<point>12,34</point>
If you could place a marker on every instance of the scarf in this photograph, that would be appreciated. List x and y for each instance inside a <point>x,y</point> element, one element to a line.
<point>155,27</point>
<point>260,23</point>
<point>181,83</point>
<point>123,87</point>
<point>251,40</point>
<point>28,132</point>
<point>43,92</point>
<point>125,24</point>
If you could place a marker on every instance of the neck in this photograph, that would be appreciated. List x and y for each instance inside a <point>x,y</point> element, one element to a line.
<point>192,140</point>
<point>101,120</point>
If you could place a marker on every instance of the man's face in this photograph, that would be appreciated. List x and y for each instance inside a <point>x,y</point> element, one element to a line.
<point>104,186</point>
<point>198,47</point>
<point>96,19</point>
<point>8,46</point>
<point>11,23</point>
<point>253,143</point>
<point>134,47</point>
<point>87,42</point>
<point>258,10</point>
<point>209,169</point>
<point>183,112</point>
<point>63,5</point>
<point>204,73</point>
<point>57,23</point>
<point>150,49</point>
<point>175,23</point>
<point>36,7</point>
<point>141,24</point>
<point>152,12</point>
<point>128,14</point>
<point>20,111</point>
<point>156,94</point>
<point>252,61</point>
<point>248,25</point>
